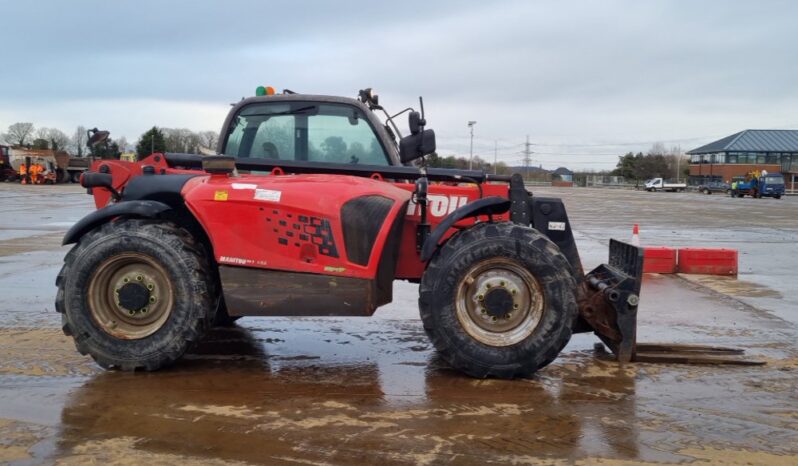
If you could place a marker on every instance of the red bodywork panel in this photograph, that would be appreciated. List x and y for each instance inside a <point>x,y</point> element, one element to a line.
<point>290,223</point>
<point>248,218</point>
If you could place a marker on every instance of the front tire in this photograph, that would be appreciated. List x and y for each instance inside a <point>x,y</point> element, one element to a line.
<point>498,300</point>
<point>135,294</point>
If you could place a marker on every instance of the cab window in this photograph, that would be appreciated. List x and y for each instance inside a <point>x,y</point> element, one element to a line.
<point>305,131</point>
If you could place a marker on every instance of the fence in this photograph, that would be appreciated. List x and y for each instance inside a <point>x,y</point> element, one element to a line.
<point>603,181</point>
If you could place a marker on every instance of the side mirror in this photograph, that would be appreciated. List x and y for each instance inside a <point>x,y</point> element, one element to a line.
<point>99,180</point>
<point>96,180</point>
<point>415,122</point>
<point>417,145</point>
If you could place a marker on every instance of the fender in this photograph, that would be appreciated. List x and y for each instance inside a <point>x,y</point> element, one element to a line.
<point>493,205</point>
<point>141,209</point>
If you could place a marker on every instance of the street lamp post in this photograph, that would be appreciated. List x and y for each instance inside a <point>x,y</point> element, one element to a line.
<point>471,158</point>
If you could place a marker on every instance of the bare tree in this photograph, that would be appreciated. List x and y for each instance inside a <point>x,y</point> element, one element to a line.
<point>41,133</point>
<point>181,140</point>
<point>77,145</point>
<point>122,143</point>
<point>58,139</point>
<point>209,139</point>
<point>193,143</point>
<point>658,148</point>
<point>678,163</point>
<point>18,133</point>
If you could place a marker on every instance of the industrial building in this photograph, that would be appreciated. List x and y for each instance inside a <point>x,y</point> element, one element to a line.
<point>773,150</point>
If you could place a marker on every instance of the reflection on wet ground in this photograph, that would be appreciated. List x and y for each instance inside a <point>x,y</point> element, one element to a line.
<point>368,391</point>
<point>345,391</point>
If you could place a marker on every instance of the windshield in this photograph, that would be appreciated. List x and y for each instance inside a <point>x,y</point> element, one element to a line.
<point>777,179</point>
<point>315,132</point>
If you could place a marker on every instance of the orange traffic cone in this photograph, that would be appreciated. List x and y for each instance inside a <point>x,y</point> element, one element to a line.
<point>636,235</point>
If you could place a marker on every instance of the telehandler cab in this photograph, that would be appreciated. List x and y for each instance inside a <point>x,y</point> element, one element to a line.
<point>314,210</point>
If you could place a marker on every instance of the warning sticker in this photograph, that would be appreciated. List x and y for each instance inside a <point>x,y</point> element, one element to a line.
<point>244,186</point>
<point>557,226</point>
<point>267,195</point>
<point>220,196</point>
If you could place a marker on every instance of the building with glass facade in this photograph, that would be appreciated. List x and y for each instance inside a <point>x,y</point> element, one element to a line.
<point>774,150</point>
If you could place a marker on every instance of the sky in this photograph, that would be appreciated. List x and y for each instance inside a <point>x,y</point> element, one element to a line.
<point>586,81</point>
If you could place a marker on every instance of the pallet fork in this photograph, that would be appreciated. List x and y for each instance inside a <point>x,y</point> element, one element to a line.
<point>610,297</point>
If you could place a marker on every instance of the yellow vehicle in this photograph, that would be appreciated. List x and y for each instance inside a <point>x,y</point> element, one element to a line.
<point>128,157</point>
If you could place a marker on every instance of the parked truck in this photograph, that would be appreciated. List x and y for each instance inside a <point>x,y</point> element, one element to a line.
<point>63,166</point>
<point>7,172</point>
<point>759,184</point>
<point>660,184</point>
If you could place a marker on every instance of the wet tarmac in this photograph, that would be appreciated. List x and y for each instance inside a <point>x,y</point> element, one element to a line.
<point>371,390</point>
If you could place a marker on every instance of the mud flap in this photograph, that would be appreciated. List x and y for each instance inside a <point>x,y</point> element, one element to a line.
<point>609,304</point>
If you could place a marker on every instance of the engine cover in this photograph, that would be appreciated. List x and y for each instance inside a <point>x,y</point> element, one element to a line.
<point>268,230</point>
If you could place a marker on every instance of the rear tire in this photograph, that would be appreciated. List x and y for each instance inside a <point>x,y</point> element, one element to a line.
<point>155,268</point>
<point>498,258</point>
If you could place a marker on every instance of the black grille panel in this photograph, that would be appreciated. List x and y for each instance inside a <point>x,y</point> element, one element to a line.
<point>362,220</point>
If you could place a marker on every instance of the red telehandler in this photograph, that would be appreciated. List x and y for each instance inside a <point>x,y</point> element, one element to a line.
<point>314,210</point>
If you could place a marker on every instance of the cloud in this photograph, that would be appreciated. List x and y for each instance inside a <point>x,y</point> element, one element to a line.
<point>580,78</point>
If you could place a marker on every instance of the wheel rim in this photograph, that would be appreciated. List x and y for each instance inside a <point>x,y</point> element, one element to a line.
<point>130,296</point>
<point>499,302</point>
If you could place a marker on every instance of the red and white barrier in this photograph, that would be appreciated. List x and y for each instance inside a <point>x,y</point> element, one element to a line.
<point>659,260</point>
<point>707,261</point>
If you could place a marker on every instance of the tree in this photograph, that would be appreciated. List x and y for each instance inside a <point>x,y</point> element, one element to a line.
<point>658,148</point>
<point>177,139</point>
<point>501,168</point>
<point>78,142</point>
<point>59,141</point>
<point>209,139</point>
<point>122,143</point>
<point>18,133</point>
<point>641,167</point>
<point>626,166</point>
<point>434,160</point>
<point>150,142</point>
<point>107,149</point>
<point>653,166</point>
<point>676,164</point>
<point>41,144</point>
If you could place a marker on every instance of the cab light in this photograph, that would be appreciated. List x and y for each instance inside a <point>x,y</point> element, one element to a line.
<point>264,90</point>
